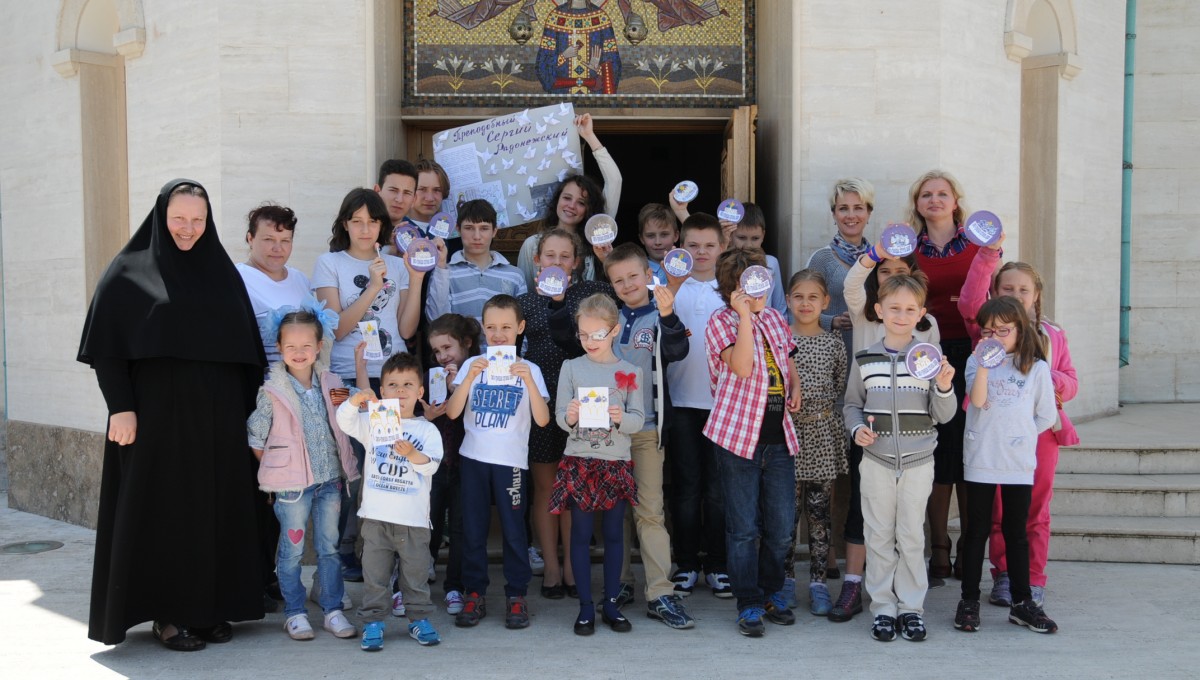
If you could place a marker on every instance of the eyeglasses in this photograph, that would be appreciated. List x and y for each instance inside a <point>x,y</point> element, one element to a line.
<point>998,332</point>
<point>597,336</point>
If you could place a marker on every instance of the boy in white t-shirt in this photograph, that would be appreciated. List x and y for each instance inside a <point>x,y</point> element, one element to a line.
<point>395,503</point>
<point>494,463</point>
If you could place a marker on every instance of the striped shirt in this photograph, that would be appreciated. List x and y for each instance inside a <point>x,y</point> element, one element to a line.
<point>739,403</point>
<point>955,246</point>
<point>462,287</point>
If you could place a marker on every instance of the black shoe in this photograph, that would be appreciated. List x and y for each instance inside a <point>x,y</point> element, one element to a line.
<point>849,602</point>
<point>555,592</point>
<point>516,614</point>
<point>218,634</point>
<point>572,590</point>
<point>585,627</point>
<point>778,612</point>
<point>1031,616</point>
<point>618,623</point>
<point>884,628</point>
<point>184,640</point>
<point>624,595</point>
<point>967,617</point>
<point>833,573</point>
<point>911,626</point>
<point>474,610</point>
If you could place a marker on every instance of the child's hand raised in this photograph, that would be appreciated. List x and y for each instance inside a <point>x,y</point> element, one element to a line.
<point>377,269</point>
<point>727,228</point>
<point>945,376</point>
<point>431,411</point>
<point>573,412</point>
<point>361,397</point>
<point>521,370</point>
<point>479,365</point>
<point>664,299</point>
<point>680,209</point>
<point>451,373</point>
<point>602,251</point>
<point>740,303</point>
<point>360,354</point>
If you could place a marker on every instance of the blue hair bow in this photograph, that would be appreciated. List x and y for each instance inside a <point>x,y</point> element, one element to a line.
<point>269,326</point>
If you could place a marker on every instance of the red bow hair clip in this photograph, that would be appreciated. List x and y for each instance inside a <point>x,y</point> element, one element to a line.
<point>626,381</point>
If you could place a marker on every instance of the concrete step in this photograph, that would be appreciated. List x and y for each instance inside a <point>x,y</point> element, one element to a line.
<point>1127,495</point>
<point>1118,460</point>
<point>1152,540</point>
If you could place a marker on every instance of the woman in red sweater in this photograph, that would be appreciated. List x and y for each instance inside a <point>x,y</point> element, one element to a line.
<point>937,212</point>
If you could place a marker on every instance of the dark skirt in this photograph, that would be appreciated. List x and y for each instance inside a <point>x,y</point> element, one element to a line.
<point>592,484</point>
<point>948,456</point>
<point>176,537</point>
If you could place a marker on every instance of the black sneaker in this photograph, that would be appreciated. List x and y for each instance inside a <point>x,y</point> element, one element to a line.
<point>516,613</point>
<point>1031,616</point>
<point>911,626</point>
<point>778,612</point>
<point>669,609</point>
<point>624,595</point>
<point>685,582</point>
<point>849,602</point>
<point>884,628</point>
<point>750,622</point>
<point>967,616</point>
<point>474,609</point>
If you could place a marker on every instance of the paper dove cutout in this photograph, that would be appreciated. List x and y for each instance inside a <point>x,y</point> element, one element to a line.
<point>540,128</point>
<point>486,155</point>
<point>530,152</point>
<point>512,189</point>
<point>550,119</point>
<point>563,109</point>
<point>437,146</point>
<point>532,180</point>
<point>544,164</point>
<point>550,148</point>
<point>442,137</point>
<point>562,143</point>
<point>523,117</point>
<point>562,174</point>
<point>508,162</point>
<point>522,170</point>
<point>525,212</point>
<point>492,170</point>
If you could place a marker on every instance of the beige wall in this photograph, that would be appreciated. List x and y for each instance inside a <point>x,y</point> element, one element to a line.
<point>1166,205</point>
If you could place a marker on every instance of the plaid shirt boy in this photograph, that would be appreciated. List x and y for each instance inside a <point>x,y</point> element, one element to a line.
<point>739,403</point>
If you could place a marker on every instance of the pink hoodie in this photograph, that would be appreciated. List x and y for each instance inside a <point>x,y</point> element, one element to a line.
<point>975,291</point>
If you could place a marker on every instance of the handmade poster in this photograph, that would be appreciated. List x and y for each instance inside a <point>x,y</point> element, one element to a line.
<point>441,224</point>
<point>600,230</point>
<point>678,262</point>
<point>989,353</point>
<point>552,281</point>
<point>422,254</point>
<point>500,360</point>
<point>756,281</point>
<point>370,334</point>
<point>731,210</point>
<point>983,228</point>
<point>924,361</point>
<point>899,240</point>
<point>437,386</point>
<point>515,161</point>
<point>593,408</point>
<point>384,416</point>
<point>686,191</point>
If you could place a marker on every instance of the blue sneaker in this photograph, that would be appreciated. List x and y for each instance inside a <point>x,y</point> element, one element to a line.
<point>818,599</point>
<point>778,612</point>
<point>422,631</point>
<point>372,637</point>
<point>669,609</point>
<point>789,592</point>
<point>750,621</point>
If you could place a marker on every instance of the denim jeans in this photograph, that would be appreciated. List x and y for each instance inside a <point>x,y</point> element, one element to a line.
<point>323,501</point>
<point>760,514</point>
<point>695,498</point>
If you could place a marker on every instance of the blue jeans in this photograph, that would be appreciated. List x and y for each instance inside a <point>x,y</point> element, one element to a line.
<point>760,514</point>
<point>323,501</point>
<point>508,487</point>
<point>694,496</point>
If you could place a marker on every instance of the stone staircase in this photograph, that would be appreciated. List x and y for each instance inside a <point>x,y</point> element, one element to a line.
<point>1127,501</point>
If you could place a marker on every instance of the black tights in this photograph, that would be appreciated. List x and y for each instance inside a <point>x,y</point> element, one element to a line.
<point>980,501</point>
<point>612,523</point>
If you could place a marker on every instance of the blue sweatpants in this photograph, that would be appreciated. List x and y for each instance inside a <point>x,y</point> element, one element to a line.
<point>507,487</point>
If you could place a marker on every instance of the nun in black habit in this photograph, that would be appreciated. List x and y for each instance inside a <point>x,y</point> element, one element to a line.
<point>173,339</point>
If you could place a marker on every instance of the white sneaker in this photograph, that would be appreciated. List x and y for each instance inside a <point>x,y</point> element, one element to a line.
<point>454,602</point>
<point>336,623</point>
<point>298,627</point>
<point>536,563</point>
<point>398,603</point>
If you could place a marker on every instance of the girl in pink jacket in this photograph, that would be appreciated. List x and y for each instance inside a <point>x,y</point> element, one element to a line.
<point>1022,281</point>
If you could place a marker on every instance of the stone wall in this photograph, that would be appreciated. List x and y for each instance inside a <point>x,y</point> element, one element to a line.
<point>55,471</point>
<point>1166,205</point>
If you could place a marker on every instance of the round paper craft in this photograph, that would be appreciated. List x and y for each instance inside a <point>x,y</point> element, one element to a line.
<point>600,230</point>
<point>686,191</point>
<point>983,228</point>
<point>422,254</point>
<point>731,210</point>
<point>899,240</point>
<point>403,237</point>
<point>677,262</point>
<point>989,353</point>
<point>924,361</point>
<point>552,282</point>
<point>756,281</point>
<point>439,225</point>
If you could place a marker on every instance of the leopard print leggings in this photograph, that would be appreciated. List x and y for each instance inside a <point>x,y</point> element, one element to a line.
<point>816,499</point>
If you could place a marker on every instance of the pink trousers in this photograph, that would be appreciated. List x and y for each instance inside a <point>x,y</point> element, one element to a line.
<point>1038,527</point>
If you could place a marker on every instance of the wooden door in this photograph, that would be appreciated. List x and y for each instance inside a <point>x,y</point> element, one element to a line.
<point>737,158</point>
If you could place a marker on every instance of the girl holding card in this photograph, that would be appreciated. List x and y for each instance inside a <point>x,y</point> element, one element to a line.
<point>544,304</point>
<point>599,404</point>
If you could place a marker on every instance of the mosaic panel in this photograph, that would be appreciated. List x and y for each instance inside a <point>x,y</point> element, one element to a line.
<point>607,53</point>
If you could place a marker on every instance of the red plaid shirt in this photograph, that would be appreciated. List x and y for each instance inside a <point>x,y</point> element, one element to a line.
<point>739,403</point>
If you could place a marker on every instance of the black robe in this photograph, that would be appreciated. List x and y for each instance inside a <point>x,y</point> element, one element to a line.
<point>172,337</point>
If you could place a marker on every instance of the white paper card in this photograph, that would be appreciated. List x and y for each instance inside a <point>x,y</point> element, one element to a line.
<point>384,416</point>
<point>370,333</point>
<point>593,407</point>
<point>437,385</point>
<point>500,360</point>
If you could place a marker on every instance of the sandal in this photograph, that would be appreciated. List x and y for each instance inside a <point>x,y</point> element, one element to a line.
<point>936,570</point>
<point>184,640</point>
<point>218,634</point>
